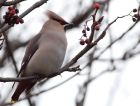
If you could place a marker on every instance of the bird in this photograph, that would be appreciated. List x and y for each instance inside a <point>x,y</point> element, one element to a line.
<point>44,54</point>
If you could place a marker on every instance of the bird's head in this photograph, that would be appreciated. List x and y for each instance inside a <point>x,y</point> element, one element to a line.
<point>59,19</point>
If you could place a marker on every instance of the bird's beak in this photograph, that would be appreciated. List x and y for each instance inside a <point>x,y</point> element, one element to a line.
<point>68,26</point>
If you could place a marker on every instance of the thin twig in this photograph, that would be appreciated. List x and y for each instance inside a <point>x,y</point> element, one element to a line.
<point>36,94</point>
<point>78,56</point>
<point>117,39</point>
<point>34,6</point>
<point>73,69</point>
<point>9,52</point>
<point>88,47</point>
<point>8,3</point>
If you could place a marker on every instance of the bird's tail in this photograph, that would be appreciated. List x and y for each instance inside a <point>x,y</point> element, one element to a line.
<point>22,86</point>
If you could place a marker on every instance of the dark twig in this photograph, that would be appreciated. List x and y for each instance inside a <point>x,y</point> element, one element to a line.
<point>9,52</point>
<point>83,89</point>
<point>74,60</point>
<point>36,94</point>
<point>8,3</point>
<point>79,18</point>
<point>73,69</point>
<point>34,6</point>
<point>14,45</point>
<point>119,38</point>
<point>18,79</point>
<point>88,47</point>
<point>55,86</point>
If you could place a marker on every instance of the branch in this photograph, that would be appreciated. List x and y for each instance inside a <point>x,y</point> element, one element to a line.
<point>36,94</point>
<point>80,17</point>
<point>55,86</point>
<point>73,61</point>
<point>8,3</point>
<point>17,79</point>
<point>14,45</point>
<point>73,69</point>
<point>34,6</point>
<point>119,38</point>
<point>88,47</point>
<point>9,52</point>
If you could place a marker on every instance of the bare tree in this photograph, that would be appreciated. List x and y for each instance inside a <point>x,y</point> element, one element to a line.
<point>96,39</point>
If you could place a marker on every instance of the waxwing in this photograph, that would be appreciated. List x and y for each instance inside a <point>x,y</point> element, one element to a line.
<point>44,54</point>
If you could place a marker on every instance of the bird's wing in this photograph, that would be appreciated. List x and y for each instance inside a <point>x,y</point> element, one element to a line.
<point>31,49</point>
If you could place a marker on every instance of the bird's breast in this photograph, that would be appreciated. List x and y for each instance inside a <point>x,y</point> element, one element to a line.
<point>47,59</point>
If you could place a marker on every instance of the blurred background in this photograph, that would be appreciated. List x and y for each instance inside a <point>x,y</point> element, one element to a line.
<point>110,70</point>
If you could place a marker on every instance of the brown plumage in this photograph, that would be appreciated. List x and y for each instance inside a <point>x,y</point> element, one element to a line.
<point>44,54</point>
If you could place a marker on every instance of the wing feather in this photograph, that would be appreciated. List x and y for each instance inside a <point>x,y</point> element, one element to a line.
<point>30,50</point>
